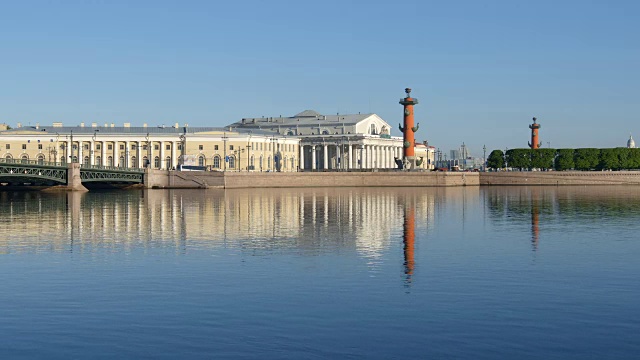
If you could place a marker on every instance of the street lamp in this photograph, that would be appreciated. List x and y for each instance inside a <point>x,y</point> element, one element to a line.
<point>93,138</point>
<point>224,144</point>
<point>484,157</point>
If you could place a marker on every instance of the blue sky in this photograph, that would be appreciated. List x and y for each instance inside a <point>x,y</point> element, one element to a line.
<point>481,69</point>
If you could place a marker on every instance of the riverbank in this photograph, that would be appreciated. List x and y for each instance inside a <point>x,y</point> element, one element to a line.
<point>236,180</point>
<point>557,178</point>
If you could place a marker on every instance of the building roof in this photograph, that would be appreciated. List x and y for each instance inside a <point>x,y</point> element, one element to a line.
<point>305,118</point>
<point>121,130</point>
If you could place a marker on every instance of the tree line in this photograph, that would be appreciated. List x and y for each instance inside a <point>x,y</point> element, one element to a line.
<point>566,159</point>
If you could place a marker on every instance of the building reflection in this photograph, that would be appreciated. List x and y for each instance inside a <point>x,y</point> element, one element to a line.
<point>307,221</point>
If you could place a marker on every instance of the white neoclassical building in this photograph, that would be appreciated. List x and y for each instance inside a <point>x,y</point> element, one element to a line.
<point>334,142</point>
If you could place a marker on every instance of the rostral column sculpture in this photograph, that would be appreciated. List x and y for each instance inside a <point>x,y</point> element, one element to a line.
<point>409,130</point>
<point>535,142</point>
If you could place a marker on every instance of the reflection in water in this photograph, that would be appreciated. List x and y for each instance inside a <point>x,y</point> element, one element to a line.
<point>409,237</point>
<point>576,206</point>
<point>309,221</point>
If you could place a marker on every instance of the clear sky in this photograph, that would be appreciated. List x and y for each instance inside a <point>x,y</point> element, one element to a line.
<point>481,69</point>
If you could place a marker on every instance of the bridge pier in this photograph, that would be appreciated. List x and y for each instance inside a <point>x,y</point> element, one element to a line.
<point>74,182</point>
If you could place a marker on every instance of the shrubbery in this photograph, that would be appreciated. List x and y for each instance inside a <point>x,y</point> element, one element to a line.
<point>566,159</point>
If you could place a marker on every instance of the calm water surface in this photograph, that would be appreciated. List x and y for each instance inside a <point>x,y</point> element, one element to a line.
<point>514,272</point>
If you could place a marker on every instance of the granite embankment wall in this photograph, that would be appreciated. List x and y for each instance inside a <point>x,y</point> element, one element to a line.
<point>235,180</point>
<point>561,178</point>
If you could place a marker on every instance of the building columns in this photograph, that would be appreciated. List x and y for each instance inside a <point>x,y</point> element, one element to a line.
<point>313,157</point>
<point>301,157</point>
<point>326,157</point>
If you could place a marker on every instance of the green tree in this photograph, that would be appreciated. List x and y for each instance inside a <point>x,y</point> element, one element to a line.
<point>564,159</point>
<point>542,158</point>
<point>519,158</point>
<point>634,158</point>
<point>496,159</point>
<point>586,158</point>
<point>609,159</point>
<point>624,157</point>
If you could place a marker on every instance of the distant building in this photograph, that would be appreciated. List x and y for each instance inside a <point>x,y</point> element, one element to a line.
<point>630,143</point>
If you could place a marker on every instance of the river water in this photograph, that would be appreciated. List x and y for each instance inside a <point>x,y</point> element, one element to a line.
<point>375,273</point>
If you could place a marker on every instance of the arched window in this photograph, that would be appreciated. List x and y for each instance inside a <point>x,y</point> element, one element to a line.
<point>269,162</point>
<point>25,159</point>
<point>98,160</point>
<point>325,132</point>
<point>261,162</point>
<point>134,162</point>
<point>201,160</point>
<point>74,159</point>
<point>286,158</point>
<point>40,159</point>
<point>252,163</point>
<point>8,158</point>
<point>232,161</point>
<point>156,162</point>
<point>86,160</point>
<point>290,132</point>
<point>145,161</point>
<point>121,162</point>
<point>293,163</point>
<point>216,162</point>
<point>167,162</point>
<point>110,161</point>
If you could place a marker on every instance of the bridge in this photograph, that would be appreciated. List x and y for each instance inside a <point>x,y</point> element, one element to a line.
<point>43,173</point>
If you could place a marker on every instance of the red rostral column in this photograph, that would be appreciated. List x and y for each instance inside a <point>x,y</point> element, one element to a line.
<point>535,143</point>
<point>409,130</point>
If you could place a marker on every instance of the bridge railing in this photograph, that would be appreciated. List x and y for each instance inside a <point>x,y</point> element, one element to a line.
<point>31,162</point>
<point>113,168</point>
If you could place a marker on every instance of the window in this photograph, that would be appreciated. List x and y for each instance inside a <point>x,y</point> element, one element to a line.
<point>98,146</point>
<point>110,160</point>
<point>75,147</point>
<point>133,146</point>
<point>121,146</point>
<point>86,146</point>
<point>200,147</point>
<point>325,132</point>
<point>25,159</point>
<point>145,161</point>
<point>61,147</point>
<point>156,147</point>
<point>39,146</point>
<point>156,162</point>
<point>373,129</point>
<point>40,159</point>
<point>110,147</point>
<point>230,147</point>
<point>232,162</point>
<point>167,147</point>
<point>98,160</point>
<point>86,160</point>
<point>269,163</point>
<point>216,162</point>
<point>24,146</point>
<point>8,146</point>
<point>134,162</point>
<point>121,161</point>
<point>179,146</point>
<point>215,147</point>
<point>144,147</point>
<point>201,160</point>
<point>74,159</point>
<point>167,162</point>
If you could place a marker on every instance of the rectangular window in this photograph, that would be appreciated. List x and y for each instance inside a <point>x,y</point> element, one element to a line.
<point>39,146</point>
<point>200,147</point>
<point>156,147</point>
<point>215,147</point>
<point>144,147</point>
<point>24,146</point>
<point>230,147</point>
<point>86,146</point>
<point>167,147</point>
<point>98,146</point>
<point>8,146</point>
<point>179,146</point>
<point>133,146</point>
<point>110,147</point>
<point>121,146</point>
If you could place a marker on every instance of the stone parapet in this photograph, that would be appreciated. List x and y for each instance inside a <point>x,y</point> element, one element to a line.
<point>557,178</point>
